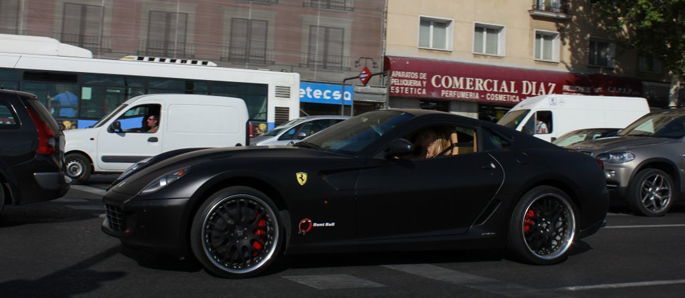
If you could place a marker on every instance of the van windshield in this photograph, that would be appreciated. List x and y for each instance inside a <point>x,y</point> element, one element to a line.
<point>513,118</point>
<point>108,116</point>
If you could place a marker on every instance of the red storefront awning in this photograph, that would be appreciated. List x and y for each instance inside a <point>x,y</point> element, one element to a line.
<point>436,79</point>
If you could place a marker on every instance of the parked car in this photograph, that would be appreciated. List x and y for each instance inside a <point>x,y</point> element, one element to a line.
<point>563,113</point>
<point>297,129</point>
<point>581,135</point>
<point>362,185</point>
<point>31,151</point>
<point>123,138</point>
<point>644,163</point>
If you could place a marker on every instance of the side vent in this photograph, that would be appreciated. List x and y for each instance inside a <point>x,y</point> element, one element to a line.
<point>169,60</point>
<point>282,115</point>
<point>282,91</point>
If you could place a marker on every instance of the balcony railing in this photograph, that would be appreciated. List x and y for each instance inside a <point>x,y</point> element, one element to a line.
<point>345,5</point>
<point>551,9</point>
<point>97,44</point>
<point>325,62</point>
<point>244,55</point>
<point>169,49</point>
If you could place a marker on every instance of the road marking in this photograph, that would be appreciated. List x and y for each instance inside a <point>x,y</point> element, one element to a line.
<point>645,226</point>
<point>90,189</point>
<point>336,281</point>
<point>626,285</point>
<point>473,281</point>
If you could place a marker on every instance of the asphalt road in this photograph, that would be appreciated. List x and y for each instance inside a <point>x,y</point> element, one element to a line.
<point>56,249</point>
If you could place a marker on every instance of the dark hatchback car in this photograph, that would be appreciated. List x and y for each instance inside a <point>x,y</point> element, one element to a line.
<point>365,184</point>
<point>31,151</point>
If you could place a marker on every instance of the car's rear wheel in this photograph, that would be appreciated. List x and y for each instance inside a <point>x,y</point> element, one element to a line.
<point>78,167</point>
<point>543,226</point>
<point>651,193</point>
<point>236,233</point>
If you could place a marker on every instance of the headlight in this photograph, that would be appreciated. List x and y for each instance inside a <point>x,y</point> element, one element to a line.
<point>616,157</point>
<point>133,168</point>
<point>164,180</point>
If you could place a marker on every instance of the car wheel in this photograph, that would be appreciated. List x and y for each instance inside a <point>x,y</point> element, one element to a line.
<point>78,168</point>
<point>542,226</point>
<point>651,193</point>
<point>236,233</point>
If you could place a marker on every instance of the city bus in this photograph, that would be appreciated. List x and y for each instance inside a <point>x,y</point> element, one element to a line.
<point>79,90</point>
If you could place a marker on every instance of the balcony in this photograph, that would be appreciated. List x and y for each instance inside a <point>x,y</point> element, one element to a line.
<point>96,44</point>
<point>550,9</point>
<point>244,55</point>
<point>344,5</point>
<point>168,49</point>
<point>330,62</point>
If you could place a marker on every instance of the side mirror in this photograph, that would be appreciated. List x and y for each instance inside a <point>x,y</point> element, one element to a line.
<point>398,148</point>
<point>554,139</point>
<point>114,127</point>
<point>301,135</point>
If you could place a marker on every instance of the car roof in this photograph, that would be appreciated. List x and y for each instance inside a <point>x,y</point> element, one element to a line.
<point>20,93</point>
<point>314,117</point>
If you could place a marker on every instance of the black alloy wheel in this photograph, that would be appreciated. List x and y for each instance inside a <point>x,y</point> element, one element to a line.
<point>77,167</point>
<point>651,193</point>
<point>236,233</point>
<point>543,226</point>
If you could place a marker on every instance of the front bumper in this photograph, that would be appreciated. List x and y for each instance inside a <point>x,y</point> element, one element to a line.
<point>154,225</point>
<point>594,207</point>
<point>618,179</point>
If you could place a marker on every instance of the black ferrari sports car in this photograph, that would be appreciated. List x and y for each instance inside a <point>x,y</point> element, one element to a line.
<point>384,180</point>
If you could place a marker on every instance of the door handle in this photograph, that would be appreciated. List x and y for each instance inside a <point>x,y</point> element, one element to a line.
<point>489,166</point>
<point>153,140</point>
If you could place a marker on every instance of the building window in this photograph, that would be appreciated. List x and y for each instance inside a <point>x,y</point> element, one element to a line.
<point>488,39</point>
<point>82,25</point>
<point>649,64</point>
<point>248,40</point>
<point>326,47</point>
<point>435,33</point>
<point>546,46</point>
<point>167,34</point>
<point>346,5</point>
<point>548,5</point>
<point>9,17</point>
<point>601,53</point>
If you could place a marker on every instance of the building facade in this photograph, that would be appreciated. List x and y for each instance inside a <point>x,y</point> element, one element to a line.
<point>323,40</point>
<point>478,58</point>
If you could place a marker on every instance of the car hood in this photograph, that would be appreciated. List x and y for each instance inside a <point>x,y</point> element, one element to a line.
<point>618,143</point>
<point>228,158</point>
<point>79,133</point>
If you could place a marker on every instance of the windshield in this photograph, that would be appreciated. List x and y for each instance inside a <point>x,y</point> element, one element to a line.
<point>663,125</point>
<point>513,118</point>
<point>108,116</point>
<point>283,126</point>
<point>357,133</point>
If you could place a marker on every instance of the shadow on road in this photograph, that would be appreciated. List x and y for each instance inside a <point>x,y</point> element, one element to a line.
<point>162,262</point>
<point>69,282</point>
<point>45,212</point>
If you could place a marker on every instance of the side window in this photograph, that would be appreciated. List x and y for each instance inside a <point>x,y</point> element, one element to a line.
<point>8,119</point>
<point>441,141</point>
<point>543,122</point>
<point>291,134</point>
<point>493,141</point>
<point>142,118</point>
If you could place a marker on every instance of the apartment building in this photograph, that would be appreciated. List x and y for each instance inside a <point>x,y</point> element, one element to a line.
<point>480,57</point>
<point>323,40</point>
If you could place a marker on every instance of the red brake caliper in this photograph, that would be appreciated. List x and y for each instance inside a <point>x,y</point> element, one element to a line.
<point>528,221</point>
<point>259,231</point>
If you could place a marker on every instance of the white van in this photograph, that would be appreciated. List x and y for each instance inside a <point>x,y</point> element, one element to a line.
<point>183,121</point>
<point>552,115</point>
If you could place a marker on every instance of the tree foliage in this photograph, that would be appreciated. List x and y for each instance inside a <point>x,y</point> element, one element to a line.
<point>653,27</point>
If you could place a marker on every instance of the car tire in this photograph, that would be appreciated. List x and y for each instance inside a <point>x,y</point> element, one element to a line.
<point>531,237</point>
<point>650,193</point>
<point>78,167</point>
<point>236,233</point>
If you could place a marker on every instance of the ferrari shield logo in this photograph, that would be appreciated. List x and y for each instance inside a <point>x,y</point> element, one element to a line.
<point>301,178</point>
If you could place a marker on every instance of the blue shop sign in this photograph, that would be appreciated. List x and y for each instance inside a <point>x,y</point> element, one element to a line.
<point>325,93</point>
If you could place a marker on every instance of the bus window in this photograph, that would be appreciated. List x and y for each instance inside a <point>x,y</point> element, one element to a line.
<point>102,94</point>
<point>61,99</point>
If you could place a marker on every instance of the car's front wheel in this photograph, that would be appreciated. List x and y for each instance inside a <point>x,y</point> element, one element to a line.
<point>542,226</point>
<point>78,167</point>
<point>236,233</point>
<point>651,193</point>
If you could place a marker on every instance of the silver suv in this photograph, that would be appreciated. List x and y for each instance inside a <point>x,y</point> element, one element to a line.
<point>644,164</point>
<point>297,129</point>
